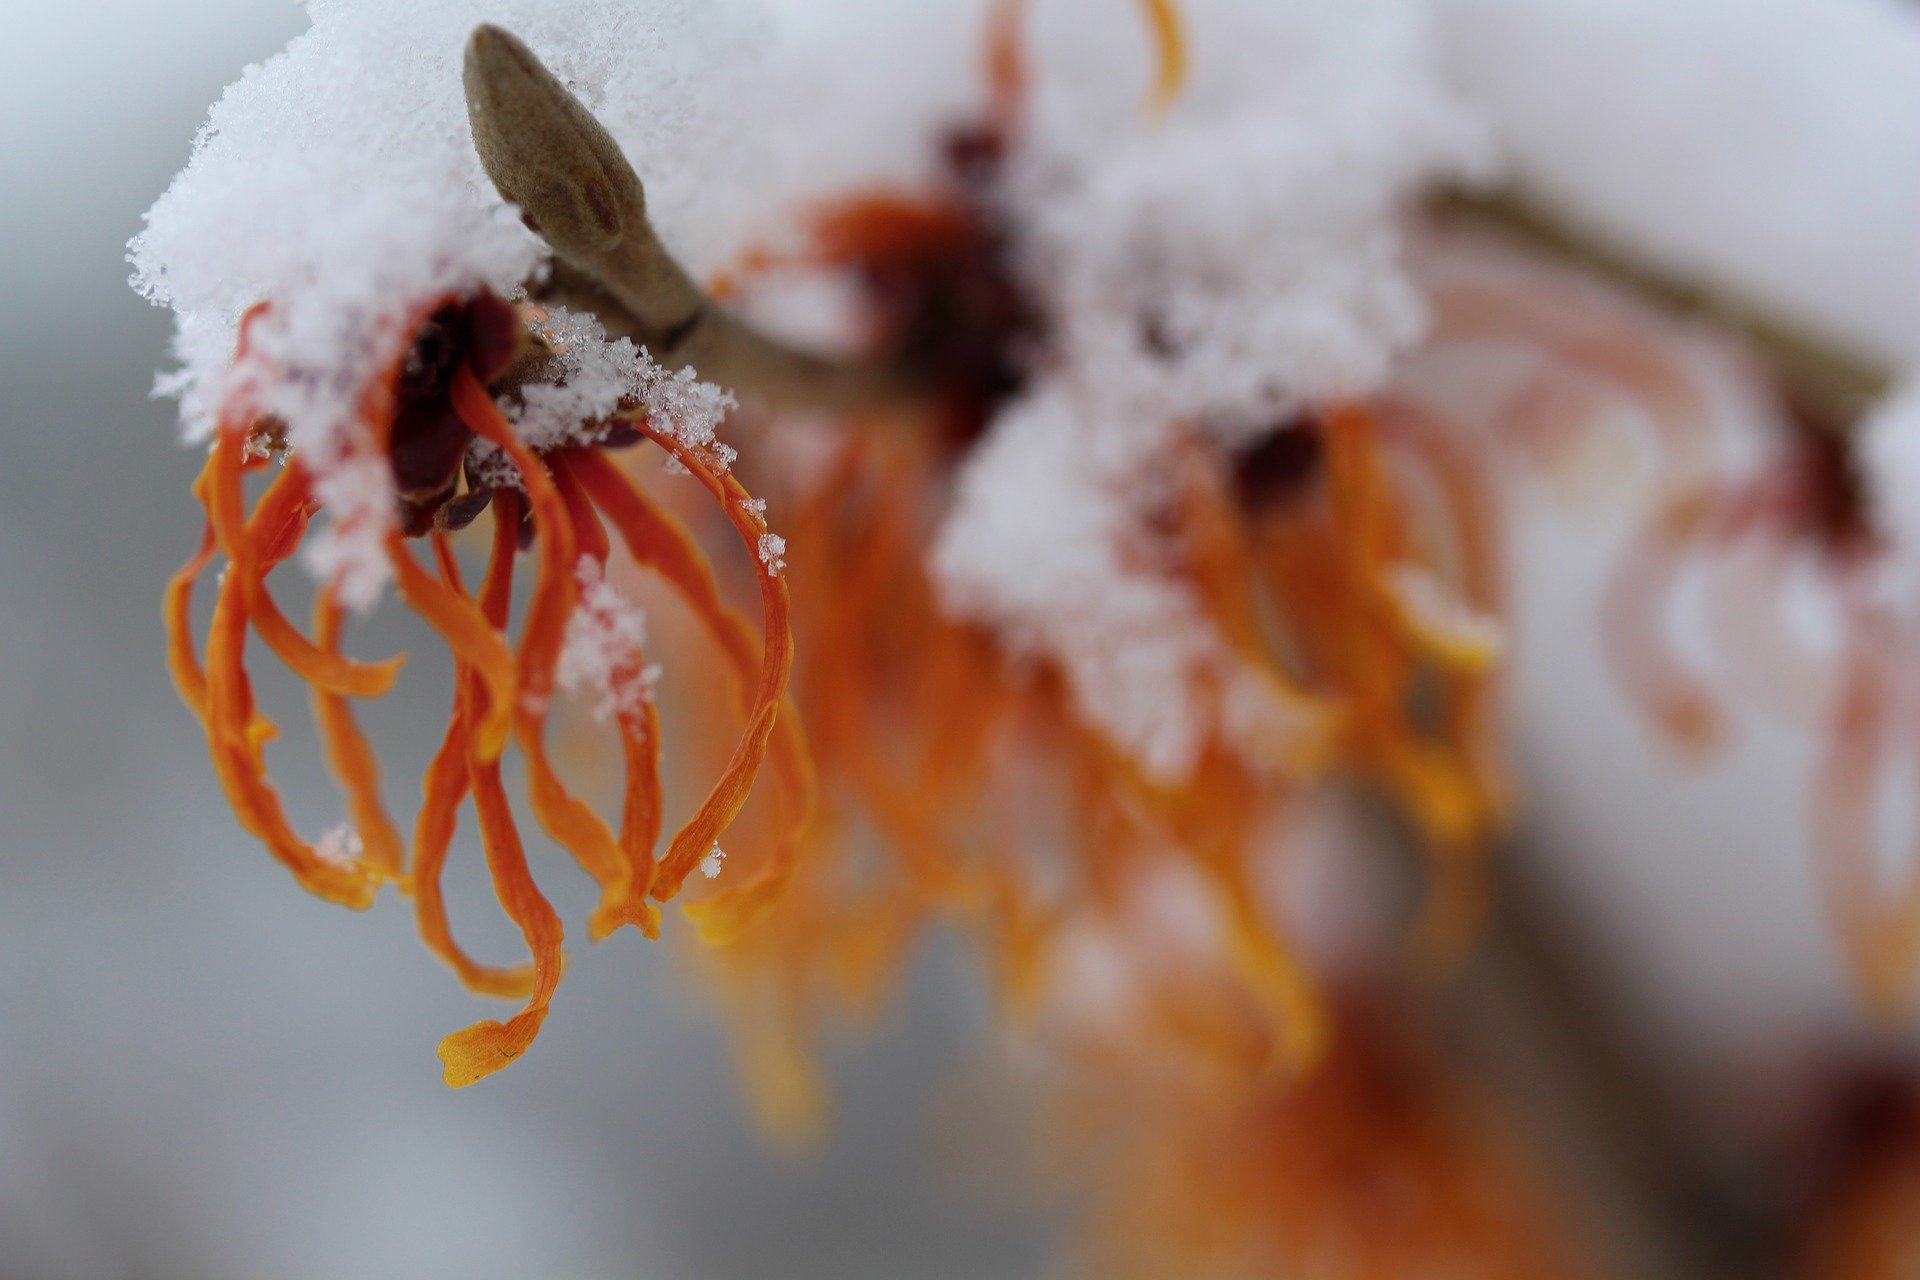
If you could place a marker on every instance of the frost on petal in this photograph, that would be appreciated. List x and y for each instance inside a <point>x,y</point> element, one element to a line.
<point>711,863</point>
<point>592,377</point>
<point>339,845</point>
<point>772,551</point>
<point>601,653</point>
<point>688,409</point>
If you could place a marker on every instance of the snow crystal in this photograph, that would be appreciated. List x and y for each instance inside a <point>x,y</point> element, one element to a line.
<point>601,650</point>
<point>689,410</point>
<point>710,864</point>
<point>339,845</point>
<point>591,379</point>
<point>772,549</point>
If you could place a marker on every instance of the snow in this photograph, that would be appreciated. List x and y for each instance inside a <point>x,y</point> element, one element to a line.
<point>711,862</point>
<point>689,410</point>
<point>1211,268</point>
<point>595,377</point>
<point>339,845</point>
<point>1238,257</point>
<point>601,651</point>
<point>1036,546</point>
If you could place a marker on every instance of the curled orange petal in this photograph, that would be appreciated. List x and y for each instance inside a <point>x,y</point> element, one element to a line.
<point>655,540</point>
<point>286,495</point>
<point>477,1051</point>
<point>470,637</point>
<point>443,789</point>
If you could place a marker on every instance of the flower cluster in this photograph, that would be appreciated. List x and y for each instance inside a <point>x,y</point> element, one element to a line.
<point>1147,508</point>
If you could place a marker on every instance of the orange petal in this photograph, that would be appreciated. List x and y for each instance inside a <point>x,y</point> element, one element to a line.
<point>442,790</point>
<point>562,815</point>
<point>1170,47</point>
<point>183,660</point>
<point>660,543</point>
<point>478,1051</point>
<point>470,637</point>
<point>1636,628</point>
<point>235,746</point>
<point>286,498</point>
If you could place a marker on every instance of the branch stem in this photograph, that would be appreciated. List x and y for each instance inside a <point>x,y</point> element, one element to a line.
<point>1839,381</point>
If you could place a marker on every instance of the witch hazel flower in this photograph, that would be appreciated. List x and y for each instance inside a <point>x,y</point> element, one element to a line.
<point>1207,276</point>
<point>385,352</point>
<point>1117,591</point>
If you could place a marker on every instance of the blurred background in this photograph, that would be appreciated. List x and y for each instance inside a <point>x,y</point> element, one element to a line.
<point>205,1073</point>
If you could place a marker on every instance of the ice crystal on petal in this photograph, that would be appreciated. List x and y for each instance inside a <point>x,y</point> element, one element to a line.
<point>340,845</point>
<point>773,549</point>
<point>688,409</point>
<point>601,651</point>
